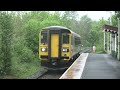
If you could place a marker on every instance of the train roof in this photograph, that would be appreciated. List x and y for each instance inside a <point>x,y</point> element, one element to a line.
<point>75,34</point>
<point>60,28</point>
<point>56,27</point>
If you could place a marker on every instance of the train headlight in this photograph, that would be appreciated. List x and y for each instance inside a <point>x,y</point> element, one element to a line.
<point>65,50</point>
<point>43,49</point>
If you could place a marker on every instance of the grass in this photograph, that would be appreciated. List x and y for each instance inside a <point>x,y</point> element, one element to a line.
<point>24,70</point>
<point>101,52</point>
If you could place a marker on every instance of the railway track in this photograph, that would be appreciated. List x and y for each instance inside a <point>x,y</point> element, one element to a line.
<point>51,74</point>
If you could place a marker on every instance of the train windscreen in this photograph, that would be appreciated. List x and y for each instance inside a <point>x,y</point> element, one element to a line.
<point>65,39</point>
<point>44,37</point>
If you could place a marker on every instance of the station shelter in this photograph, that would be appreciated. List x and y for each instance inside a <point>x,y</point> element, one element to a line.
<point>112,40</point>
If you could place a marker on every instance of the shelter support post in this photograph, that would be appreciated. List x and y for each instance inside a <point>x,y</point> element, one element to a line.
<point>115,42</point>
<point>110,42</point>
<point>118,39</point>
<point>104,41</point>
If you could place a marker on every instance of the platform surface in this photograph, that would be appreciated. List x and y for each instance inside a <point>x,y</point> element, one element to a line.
<point>101,66</point>
<point>76,69</point>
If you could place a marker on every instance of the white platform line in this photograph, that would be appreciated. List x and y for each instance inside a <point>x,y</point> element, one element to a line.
<point>66,72</point>
<point>76,71</point>
<point>83,62</point>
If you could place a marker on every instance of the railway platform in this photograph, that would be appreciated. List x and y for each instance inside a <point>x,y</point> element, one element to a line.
<point>93,66</point>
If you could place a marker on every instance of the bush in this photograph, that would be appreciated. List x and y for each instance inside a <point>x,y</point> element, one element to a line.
<point>114,54</point>
<point>24,70</point>
<point>24,61</point>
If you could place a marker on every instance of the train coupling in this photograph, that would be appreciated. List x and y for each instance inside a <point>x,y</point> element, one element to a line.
<point>54,62</point>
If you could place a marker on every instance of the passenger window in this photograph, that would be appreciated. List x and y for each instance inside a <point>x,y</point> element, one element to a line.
<point>66,39</point>
<point>77,41</point>
<point>44,37</point>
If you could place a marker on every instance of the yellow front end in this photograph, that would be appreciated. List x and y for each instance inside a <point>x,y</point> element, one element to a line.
<point>43,54</point>
<point>43,49</point>
<point>66,49</point>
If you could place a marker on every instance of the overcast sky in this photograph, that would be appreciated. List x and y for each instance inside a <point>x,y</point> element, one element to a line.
<point>96,15</point>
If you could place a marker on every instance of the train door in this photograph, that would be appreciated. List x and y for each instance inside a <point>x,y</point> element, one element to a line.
<point>54,45</point>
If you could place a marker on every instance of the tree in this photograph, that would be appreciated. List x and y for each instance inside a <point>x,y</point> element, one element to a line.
<point>117,13</point>
<point>114,20</point>
<point>31,34</point>
<point>93,38</point>
<point>97,26</point>
<point>6,37</point>
<point>85,28</point>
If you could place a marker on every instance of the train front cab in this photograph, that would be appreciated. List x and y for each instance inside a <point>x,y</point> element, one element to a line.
<point>54,48</point>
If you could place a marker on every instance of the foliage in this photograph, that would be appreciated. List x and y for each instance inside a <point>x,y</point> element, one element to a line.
<point>6,37</point>
<point>114,20</point>
<point>117,13</point>
<point>85,29</point>
<point>115,17</point>
<point>93,38</point>
<point>114,54</point>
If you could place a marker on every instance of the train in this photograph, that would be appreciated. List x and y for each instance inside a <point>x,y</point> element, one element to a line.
<point>58,47</point>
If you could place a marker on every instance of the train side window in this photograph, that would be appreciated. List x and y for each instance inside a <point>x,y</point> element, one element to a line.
<point>44,37</point>
<point>72,40</point>
<point>65,39</point>
<point>77,41</point>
